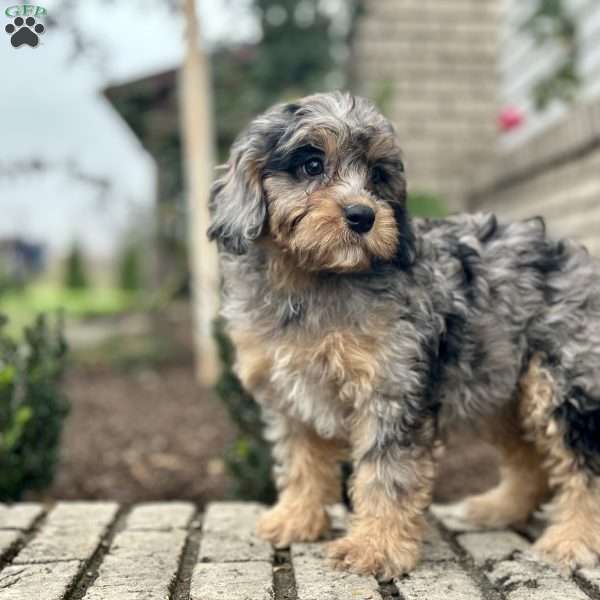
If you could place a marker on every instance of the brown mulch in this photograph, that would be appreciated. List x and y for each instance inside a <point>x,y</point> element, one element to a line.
<point>142,435</point>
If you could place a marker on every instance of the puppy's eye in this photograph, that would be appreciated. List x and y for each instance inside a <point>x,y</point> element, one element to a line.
<point>313,167</point>
<point>378,175</point>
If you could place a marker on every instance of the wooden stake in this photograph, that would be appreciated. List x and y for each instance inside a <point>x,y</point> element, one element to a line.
<point>197,133</point>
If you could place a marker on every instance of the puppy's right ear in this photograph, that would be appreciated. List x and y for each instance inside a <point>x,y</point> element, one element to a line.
<point>237,206</point>
<point>237,203</point>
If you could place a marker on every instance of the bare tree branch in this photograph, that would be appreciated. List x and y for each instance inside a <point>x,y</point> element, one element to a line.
<point>24,168</point>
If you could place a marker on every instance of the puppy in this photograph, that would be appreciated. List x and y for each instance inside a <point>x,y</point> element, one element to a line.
<point>364,333</point>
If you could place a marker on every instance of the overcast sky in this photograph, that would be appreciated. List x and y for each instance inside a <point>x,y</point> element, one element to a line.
<point>52,109</point>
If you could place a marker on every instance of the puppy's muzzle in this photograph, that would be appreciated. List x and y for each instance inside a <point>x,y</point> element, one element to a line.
<point>360,217</point>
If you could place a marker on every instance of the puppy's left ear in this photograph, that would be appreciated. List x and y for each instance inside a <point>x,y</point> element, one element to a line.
<point>237,203</point>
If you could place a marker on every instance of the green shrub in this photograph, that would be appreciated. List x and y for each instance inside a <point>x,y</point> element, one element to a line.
<point>130,269</point>
<point>32,407</point>
<point>249,457</point>
<point>6,283</point>
<point>75,270</point>
<point>422,204</point>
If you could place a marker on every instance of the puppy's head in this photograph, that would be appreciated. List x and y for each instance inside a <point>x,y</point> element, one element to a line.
<point>323,180</point>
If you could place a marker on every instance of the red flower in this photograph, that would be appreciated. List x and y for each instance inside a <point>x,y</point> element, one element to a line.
<point>510,118</point>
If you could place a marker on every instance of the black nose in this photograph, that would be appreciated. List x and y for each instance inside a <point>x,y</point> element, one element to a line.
<point>360,217</point>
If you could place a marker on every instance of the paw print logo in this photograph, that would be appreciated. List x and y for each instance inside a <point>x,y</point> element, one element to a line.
<point>24,31</point>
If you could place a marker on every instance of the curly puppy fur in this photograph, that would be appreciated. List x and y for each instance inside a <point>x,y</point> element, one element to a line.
<point>368,334</point>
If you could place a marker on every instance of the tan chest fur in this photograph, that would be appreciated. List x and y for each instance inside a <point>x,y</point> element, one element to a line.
<point>319,378</point>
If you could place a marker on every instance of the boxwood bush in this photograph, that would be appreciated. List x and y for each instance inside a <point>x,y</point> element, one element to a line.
<point>248,459</point>
<point>32,407</point>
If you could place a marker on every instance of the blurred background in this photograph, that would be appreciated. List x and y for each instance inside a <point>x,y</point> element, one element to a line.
<point>110,128</point>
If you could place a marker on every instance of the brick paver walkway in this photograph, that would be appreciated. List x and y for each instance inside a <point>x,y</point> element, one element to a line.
<point>166,551</point>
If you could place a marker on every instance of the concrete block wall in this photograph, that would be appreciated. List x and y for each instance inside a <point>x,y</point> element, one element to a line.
<point>432,64</point>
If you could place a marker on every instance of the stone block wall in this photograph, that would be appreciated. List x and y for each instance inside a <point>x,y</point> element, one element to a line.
<point>432,67</point>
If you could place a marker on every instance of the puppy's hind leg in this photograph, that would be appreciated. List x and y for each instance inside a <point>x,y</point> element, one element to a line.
<point>562,427</point>
<point>523,481</point>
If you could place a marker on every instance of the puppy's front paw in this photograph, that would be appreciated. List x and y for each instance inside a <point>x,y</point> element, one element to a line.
<point>372,556</point>
<point>566,549</point>
<point>284,524</point>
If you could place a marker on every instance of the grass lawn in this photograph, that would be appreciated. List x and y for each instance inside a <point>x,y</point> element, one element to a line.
<point>22,306</point>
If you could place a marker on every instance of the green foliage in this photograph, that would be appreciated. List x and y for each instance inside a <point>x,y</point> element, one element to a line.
<point>563,85</point>
<point>32,408</point>
<point>295,51</point>
<point>130,269</point>
<point>6,282</point>
<point>552,24</point>
<point>300,52</point>
<point>383,96</point>
<point>249,463</point>
<point>75,271</point>
<point>421,204</point>
<point>249,458</point>
<point>21,305</point>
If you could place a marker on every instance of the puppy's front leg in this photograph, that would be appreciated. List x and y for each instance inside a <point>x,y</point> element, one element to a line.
<point>391,491</point>
<point>307,477</point>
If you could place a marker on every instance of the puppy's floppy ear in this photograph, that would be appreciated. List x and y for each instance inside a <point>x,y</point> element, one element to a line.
<point>237,204</point>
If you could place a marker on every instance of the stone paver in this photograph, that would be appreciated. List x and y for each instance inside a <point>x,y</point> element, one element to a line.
<point>157,552</point>
<point>592,578</point>
<point>50,563</point>
<point>438,581</point>
<point>140,565</point>
<point>72,531</point>
<point>240,580</point>
<point>435,548</point>
<point>438,576</point>
<point>530,580</point>
<point>492,545</point>
<point>158,516</point>
<point>143,559</point>
<point>233,562</point>
<point>8,540</point>
<point>511,568</point>
<point>19,516</point>
<point>229,534</point>
<point>317,580</point>
<point>38,582</point>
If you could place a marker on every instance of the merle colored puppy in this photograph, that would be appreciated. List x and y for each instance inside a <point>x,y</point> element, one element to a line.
<point>362,332</point>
